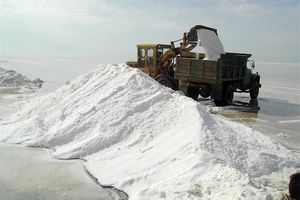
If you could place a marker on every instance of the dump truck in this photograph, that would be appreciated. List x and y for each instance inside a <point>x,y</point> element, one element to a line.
<point>212,73</point>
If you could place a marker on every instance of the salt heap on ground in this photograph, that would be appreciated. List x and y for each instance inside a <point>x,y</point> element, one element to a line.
<point>10,79</point>
<point>148,140</point>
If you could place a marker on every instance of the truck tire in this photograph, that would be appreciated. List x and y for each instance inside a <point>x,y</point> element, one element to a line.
<point>166,81</point>
<point>204,92</point>
<point>193,93</point>
<point>254,91</point>
<point>227,96</point>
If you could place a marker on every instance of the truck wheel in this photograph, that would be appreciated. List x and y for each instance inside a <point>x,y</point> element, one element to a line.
<point>204,92</point>
<point>255,90</point>
<point>193,93</point>
<point>227,96</point>
<point>166,81</point>
<point>218,102</point>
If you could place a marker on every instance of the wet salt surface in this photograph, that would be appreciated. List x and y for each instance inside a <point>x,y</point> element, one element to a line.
<point>31,174</point>
<point>279,102</point>
<point>278,120</point>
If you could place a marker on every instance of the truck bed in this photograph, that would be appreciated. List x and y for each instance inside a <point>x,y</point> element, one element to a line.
<point>230,67</point>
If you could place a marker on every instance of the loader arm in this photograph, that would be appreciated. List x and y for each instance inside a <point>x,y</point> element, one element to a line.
<point>169,55</point>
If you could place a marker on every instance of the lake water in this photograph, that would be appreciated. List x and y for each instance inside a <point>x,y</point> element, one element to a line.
<point>31,174</point>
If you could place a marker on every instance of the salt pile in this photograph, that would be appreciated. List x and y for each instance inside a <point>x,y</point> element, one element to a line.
<point>211,44</point>
<point>10,79</point>
<point>147,140</point>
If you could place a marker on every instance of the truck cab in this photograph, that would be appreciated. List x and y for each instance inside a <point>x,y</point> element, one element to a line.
<point>149,57</point>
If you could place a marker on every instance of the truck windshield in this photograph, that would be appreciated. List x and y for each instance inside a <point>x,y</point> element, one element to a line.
<point>146,57</point>
<point>150,52</point>
<point>141,52</point>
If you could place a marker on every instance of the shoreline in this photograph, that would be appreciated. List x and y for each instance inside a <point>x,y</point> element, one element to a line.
<point>63,169</point>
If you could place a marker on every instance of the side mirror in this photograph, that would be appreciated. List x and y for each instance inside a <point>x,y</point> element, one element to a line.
<point>253,64</point>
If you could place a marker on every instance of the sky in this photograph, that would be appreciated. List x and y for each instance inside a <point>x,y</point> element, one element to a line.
<point>110,29</point>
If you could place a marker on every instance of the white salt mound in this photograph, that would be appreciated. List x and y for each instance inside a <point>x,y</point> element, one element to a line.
<point>10,79</point>
<point>148,140</point>
<point>211,44</point>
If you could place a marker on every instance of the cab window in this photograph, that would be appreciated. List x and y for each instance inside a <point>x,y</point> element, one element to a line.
<point>150,61</point>
<point>141,62</point>
<point>250,64</point>
<point>141,52</point>
<point>150,52</point>
<point>159,53</point>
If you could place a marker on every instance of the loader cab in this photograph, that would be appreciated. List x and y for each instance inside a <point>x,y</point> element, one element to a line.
<point>149,55</point>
